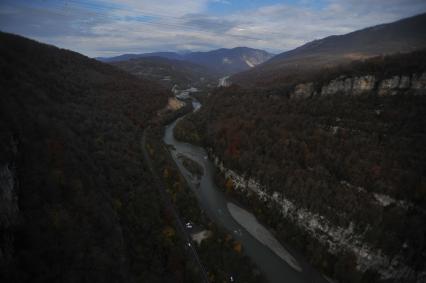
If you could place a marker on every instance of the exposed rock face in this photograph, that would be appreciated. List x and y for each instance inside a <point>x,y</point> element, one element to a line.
<point>337,85</point>
<point>419,82</point>
<point>224,82</point>
<point>174,104</point>
<point>303,90</point>
<point>336,238</point>
<point>8,206</point>
<point>415,84</point>
<point>404,82</point>
<point>389,86</point>
<point>8,202</point>
<point>363,84</point>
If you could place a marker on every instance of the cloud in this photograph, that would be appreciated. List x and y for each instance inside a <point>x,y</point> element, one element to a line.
<point>222,2</point>
<point>208,23</point>
<point>39,22</point>
<point>285,26</point>
<point>167,8</point>
<point>110,28</point>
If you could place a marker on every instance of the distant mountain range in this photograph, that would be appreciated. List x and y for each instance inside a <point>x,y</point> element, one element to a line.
<point>221,61</point>
<point>402,36</point>
<point>125,57</point>
<point>170,72</point>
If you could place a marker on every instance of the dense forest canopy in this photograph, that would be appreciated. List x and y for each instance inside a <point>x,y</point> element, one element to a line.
<point>87,208</point>
<point>332,155</point>
<point>323,145</point>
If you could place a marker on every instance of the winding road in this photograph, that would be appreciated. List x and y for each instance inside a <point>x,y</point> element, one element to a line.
<point>169,205</point>
<point>279,262</point>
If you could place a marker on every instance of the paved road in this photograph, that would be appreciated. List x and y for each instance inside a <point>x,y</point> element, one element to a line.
<point>166,199</point>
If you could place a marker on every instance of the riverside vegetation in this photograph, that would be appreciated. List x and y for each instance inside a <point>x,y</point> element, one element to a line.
<point>77,203</point>
<point>331,158</point>
<point>86,207</point>
<point>220,253</point>
<point>357,162</point>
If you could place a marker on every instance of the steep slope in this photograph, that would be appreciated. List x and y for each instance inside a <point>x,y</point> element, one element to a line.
<point>335,164</point>
<point>402,36</point>
<point>79,205</point>
<point>125,57</point>
<point>170,72</point>
<point>229,61</point>
<point>222,61</point>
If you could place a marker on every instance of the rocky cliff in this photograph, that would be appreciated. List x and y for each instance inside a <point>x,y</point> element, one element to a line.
<point>337,239</point>
<point>399,84</point>
<point>8,203</point>
<point>403,36</point>
<point>337,171</point>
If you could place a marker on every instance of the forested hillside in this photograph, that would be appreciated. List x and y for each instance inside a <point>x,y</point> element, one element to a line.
<point>77,203</point>
<point>404,36</point>
<point>223,61</point>
<point>170,72</point>
<point>229,61</point>
<point>379,67</point>
<point>341,176</point>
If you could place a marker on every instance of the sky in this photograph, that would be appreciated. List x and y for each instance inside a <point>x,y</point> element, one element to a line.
<point>110,28</point>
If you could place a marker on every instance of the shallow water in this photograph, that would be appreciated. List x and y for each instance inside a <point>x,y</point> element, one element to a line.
<point>214,202</point>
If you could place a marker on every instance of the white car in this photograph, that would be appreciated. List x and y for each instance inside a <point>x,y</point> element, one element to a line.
<point>188,225</point>
<point>189,244</point>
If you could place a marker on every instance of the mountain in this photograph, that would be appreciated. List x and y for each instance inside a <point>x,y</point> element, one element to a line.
<point>335,165</point>
<point>77,204</point>
<point>401,36</point>
<point>124,57</point>
<point>223,61</point>
<point>229,61</point>
<point>169,72</point>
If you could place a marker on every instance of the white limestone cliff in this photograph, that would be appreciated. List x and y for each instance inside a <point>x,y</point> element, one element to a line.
<point>414,84</point>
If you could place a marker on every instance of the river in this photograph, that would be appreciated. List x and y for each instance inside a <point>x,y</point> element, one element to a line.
<point>279,262</point>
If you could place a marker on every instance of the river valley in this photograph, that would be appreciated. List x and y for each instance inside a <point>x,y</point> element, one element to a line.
<point>278,262</point>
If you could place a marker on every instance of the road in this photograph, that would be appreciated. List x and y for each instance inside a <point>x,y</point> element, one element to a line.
<point>215,203</point>
<point>169,205</point>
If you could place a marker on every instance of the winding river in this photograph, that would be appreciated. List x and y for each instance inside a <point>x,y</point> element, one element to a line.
<point>279,263</point>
